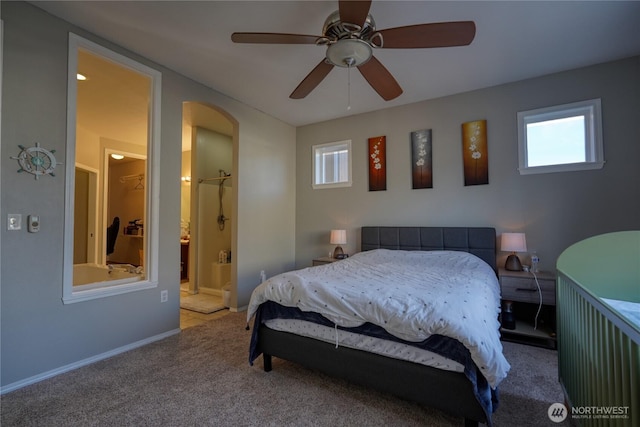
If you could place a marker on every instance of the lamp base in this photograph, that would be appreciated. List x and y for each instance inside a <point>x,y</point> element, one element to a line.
<point>338,253</point>
<point>513,263</point>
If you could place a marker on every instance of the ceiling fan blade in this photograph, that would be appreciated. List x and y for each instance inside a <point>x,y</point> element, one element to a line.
<point>380,79</point>
<point>275,38</point>
<point>354,12</point>
<point>312,80</point>
<point>442,34</point>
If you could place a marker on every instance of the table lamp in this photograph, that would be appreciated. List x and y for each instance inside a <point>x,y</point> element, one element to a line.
<point>338,237</point>
<point>513,242</point>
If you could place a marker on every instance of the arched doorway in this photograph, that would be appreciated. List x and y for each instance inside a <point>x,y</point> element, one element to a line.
<point>208,209</point>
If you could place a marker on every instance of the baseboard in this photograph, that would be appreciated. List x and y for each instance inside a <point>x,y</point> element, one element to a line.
<point>208,291</point>
<point>70,367</point>
<point>238,309</point>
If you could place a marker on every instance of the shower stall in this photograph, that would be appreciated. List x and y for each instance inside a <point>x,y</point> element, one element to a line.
<point>214,233</point>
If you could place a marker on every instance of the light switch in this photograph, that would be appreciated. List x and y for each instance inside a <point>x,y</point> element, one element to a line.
<point>14,222</point>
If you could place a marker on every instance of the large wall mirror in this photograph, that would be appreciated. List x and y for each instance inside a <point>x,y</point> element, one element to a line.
<point>111,193</point>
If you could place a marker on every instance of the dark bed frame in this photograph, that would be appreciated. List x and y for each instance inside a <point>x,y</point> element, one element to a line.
<point>448,391</point>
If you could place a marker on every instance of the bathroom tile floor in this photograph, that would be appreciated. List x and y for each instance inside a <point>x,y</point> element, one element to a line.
<point>190,318</point>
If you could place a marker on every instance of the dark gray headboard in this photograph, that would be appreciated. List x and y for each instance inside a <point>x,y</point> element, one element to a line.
<point>480,241</point>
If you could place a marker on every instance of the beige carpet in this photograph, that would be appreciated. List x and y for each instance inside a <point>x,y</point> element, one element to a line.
<point>201,377</point>
<point>201,303</point>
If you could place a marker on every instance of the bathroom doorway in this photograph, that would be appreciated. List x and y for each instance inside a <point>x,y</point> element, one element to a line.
<point>207,209</point>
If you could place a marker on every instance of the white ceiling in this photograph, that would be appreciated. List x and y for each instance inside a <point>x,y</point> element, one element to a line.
<point>514,40</point>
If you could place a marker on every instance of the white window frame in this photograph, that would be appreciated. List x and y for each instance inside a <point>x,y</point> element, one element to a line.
<point>590,110</point>
<point>152,233</point>
<point>317,151</point>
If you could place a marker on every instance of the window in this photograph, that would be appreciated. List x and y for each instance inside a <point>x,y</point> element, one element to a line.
<point>112,167</point>
<point>561,138</point>
<point>332,165</point>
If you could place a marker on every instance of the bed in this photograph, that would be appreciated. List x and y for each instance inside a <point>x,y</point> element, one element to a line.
<point>347,319</point>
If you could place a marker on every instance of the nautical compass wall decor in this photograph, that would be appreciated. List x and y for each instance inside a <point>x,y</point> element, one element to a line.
<point>36,160</point>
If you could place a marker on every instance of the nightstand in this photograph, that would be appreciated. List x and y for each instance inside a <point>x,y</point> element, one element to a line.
<point>324,260</point>
<point>520,291</point>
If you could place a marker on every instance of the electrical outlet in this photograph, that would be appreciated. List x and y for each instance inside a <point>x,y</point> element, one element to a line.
<point>164,296</point>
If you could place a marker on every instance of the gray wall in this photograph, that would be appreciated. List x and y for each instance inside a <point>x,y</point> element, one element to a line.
<point>554,210</point>
<point>40,335</point>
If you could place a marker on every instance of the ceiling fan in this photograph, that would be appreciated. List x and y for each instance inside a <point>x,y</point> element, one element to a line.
<point>350,36</point>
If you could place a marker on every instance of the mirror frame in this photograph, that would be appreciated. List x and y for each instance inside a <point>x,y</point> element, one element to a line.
<point>108,288</point>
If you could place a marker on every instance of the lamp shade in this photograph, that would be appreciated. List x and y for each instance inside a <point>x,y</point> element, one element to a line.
<point>513,242</point>
<point>338,237</point>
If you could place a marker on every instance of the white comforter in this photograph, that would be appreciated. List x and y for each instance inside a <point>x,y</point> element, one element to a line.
<point>411,294</point>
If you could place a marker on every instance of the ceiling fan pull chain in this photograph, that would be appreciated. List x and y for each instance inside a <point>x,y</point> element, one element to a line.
<point>349,61</point>
<point>348,88</point>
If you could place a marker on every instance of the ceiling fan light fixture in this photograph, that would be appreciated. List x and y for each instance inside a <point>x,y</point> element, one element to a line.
<point>349,53</point>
